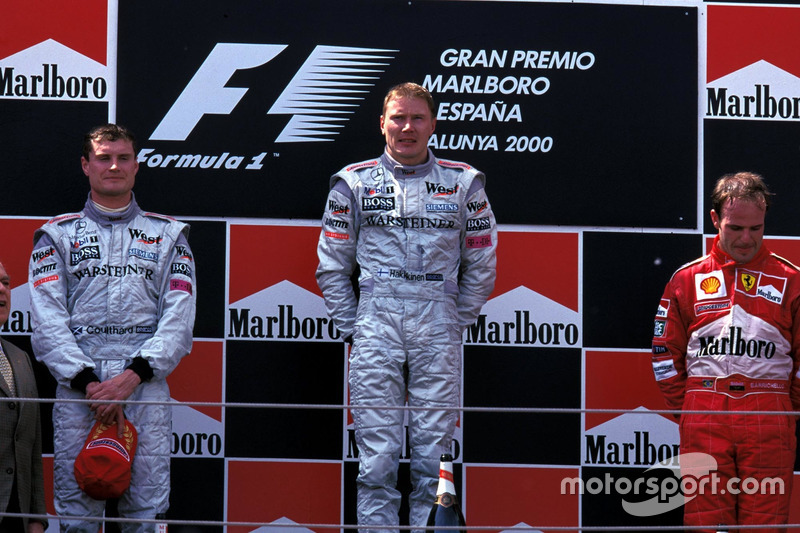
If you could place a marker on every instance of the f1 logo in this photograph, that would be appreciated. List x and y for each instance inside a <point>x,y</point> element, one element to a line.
<point>206,92</point>
<point>327,86</point>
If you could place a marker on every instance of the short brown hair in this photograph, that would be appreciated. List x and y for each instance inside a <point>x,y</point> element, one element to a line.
<point>107,132</point>
<point>747,186</point>
<point>409,90</point>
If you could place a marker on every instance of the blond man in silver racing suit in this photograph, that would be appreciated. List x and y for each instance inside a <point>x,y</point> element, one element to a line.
<point>422,232</point>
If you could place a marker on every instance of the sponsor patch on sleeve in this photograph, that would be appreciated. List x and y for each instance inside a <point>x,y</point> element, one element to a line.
<point>336,235</point>
<point>479,224</point>
<point>180,285</point>
<point>45,280</point>
<point>44,269</point>
<point>664,369</point>
<point>479,242</point>
<point>660,328</point>
<point>181,268</point>
<point>40,254</point>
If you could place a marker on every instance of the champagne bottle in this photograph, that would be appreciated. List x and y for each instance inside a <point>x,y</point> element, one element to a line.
<point>445,510</point>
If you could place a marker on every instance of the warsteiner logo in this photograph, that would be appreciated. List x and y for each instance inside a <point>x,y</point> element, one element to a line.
<point>331,80</point>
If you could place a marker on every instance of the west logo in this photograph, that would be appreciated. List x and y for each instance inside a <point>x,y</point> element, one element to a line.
<point>440,190</point>
<point>140,236</point>
<point>337,209</point>
<point>40,255</point>
<point>477,207</point>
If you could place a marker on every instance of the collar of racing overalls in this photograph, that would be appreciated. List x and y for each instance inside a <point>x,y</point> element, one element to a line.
<point>724,260</point>
<point>402,171</point>
<point>93,213</point>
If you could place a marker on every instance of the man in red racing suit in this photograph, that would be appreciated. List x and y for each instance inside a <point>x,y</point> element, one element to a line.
<point>727,339</point>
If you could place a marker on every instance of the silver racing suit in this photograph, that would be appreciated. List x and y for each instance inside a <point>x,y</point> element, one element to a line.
<point>424,238</point>
<point>111,291</point>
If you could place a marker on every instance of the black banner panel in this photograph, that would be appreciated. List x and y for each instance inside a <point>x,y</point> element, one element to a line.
<point>618,307</point>
<point>578,114</point>
<point>513,377</point>
<point>41,155</point>
<point>771,148</point>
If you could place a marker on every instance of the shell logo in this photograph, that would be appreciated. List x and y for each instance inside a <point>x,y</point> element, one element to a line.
<point>710,285</point>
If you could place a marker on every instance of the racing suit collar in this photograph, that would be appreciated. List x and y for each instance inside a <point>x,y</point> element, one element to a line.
<point>726,260</point>
<point>100,217</point>
<point>400,170</point>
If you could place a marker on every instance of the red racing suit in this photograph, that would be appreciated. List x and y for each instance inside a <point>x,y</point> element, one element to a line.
<point>727,338</point>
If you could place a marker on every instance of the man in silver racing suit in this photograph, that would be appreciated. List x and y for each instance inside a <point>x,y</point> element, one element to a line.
<point>423,234</point>
<point>113,306</point>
